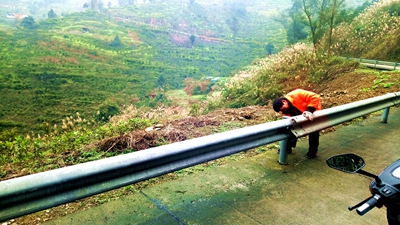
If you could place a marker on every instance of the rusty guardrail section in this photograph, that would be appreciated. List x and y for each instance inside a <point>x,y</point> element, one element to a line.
<point>24,195</point>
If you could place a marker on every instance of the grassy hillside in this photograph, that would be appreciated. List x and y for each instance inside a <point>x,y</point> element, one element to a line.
<point>54,69</point>
<point>374,34</point>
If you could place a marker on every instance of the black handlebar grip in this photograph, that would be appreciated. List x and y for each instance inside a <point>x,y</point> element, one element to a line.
<point>368,205</point>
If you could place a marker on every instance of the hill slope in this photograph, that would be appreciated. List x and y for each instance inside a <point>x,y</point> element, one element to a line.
<point>341,89</point>
<point>75,63</point>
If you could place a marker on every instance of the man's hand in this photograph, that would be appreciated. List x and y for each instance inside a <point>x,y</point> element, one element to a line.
<point>308,115</point>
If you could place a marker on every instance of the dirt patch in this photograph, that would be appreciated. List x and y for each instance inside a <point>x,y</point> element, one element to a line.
<point>134,37</point>
<point>180,39</point>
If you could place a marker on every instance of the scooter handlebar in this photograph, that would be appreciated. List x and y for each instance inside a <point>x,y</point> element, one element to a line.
<point>368,205</point>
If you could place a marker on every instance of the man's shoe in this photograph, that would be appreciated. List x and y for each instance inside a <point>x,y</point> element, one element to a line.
<point>311,154</point>
<point>290,151</point>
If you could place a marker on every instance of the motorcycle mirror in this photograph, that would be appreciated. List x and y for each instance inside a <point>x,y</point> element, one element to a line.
<point>349,163</point>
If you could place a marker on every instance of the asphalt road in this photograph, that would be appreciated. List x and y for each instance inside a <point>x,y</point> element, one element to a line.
<point>258,190</point>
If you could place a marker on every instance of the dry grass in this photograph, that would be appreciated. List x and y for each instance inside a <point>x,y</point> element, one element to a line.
<point>371,30</point>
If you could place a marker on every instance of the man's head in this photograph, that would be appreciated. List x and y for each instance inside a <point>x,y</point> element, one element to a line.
<point>281,105</point>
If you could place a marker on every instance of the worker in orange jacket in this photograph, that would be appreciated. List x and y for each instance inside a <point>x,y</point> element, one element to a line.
<point>301,102</point>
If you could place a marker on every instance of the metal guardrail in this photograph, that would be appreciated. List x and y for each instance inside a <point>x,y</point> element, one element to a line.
<point>384,65</point>
<point>32,193</point>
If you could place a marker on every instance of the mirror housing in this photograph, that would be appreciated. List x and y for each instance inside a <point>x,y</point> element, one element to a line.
<point>349,163</point>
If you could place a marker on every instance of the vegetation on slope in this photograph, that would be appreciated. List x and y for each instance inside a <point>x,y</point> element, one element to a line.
<point>52,69</point>
<point>294,67</point>
<point>374,34</point>
<point>360,38</point>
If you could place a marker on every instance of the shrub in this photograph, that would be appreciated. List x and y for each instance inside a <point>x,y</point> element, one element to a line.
<point>370,34</point>
<point>106,111</point>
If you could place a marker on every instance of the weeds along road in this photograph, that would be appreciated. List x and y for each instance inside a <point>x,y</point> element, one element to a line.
<point>258,190</point>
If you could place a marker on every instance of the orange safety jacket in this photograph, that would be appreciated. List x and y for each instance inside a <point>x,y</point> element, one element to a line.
<point>301,99</point>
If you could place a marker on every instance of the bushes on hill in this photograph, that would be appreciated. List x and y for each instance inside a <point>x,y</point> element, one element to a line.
<point>28,22</point>
<point>116,43</point>
<point>373,34</point>
<point>263,81</point>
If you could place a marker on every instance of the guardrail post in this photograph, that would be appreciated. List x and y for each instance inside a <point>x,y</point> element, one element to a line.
<point>283,153</point>
<point>395,65</point>
<point>284,148</point>
<point>385,115</point>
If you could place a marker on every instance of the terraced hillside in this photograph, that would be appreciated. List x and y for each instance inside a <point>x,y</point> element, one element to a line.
<point>94,62</point>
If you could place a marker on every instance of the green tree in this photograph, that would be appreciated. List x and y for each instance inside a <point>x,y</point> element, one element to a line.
<point>361,8</point>
<point>297,28</point>
<point>270,48</point>
<point>51,14</point>
<point>106,111</point>
<point>331,15</point>
<point>296,32</point>
<point>311,10</point>
<point>85,5</point>
<point>344,16</point>
<point>161,81</point>
<point>28,22</point>
<point>192,38</point>
<point>318,13</point>
<point>293,22</point>
<point>116,43</point>
<point>234,26</point>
